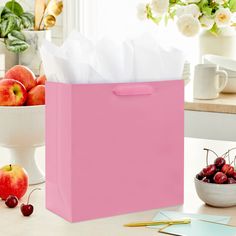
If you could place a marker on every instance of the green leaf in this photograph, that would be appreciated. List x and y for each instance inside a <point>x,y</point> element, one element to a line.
<point>16,46</point>
<point>232,5</point>
<point>206,10</point>
<point>5,11</point>
<point>172,14</point>
<point>16,35</point>
<point>215,30</point>
<point>27,20</point>
<point>166,19</point>
<point>15,7</point>
<point>7,26</point>
<point>1,11</point>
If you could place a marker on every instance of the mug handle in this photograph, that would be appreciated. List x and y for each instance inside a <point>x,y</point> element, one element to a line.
<point>223,79</point>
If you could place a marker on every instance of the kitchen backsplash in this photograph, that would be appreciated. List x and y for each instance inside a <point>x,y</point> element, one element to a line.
<point>57,31</point>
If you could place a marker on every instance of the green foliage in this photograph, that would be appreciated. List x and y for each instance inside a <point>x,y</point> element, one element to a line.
<point>232,5</point>
<point>13,20</point>
<point>215,30</point>
<point>15,8</point>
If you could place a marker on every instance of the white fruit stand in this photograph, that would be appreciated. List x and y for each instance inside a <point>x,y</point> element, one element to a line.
<point>22,131</point>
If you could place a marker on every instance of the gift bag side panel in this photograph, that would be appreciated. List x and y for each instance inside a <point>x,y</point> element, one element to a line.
<point>58,149</point>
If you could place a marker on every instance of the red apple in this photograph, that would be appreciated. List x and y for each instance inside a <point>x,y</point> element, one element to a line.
<point>41,80</point>
<point>22,74</point>
<point>13,181</point>
<point>36,96</point>
<point>12,93</point>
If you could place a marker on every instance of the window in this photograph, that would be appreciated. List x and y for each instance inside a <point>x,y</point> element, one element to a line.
<point>118,19</point>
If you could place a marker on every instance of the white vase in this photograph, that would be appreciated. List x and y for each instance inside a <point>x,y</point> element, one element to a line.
<point>31,57</point>
<point>223,44</point>
<point>7,59</point>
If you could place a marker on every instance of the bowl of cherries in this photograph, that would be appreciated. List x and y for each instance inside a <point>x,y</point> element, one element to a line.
<point>216,183</point>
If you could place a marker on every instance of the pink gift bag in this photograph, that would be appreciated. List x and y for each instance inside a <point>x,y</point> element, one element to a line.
<point>113,148</point>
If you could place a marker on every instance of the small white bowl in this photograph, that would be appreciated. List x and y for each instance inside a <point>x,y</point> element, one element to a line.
<point>223,62</point>
<point>217,195</point>
<point>230,86</point>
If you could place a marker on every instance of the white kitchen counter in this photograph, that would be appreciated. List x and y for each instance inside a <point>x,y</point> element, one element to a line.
<point>45,223</point>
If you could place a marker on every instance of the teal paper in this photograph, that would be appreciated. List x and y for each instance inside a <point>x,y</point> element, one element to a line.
<point>201,225</point>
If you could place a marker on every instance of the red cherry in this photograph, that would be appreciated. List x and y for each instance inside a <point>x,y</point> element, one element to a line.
<point>220,178</point>
<point>209,170</point>
<point>27,209</point>
<point>200,176</point>
<point>219,162</point>
<point>206,180</point>
<point>11,201</point>
<point>234,175</point>
<point>227,169</point>
<point>231,181</point>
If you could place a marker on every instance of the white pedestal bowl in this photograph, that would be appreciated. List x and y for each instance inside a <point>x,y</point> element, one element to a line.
<point>22,130</point>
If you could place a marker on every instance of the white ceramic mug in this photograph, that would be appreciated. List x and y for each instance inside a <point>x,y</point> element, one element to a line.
<point>208,81</point>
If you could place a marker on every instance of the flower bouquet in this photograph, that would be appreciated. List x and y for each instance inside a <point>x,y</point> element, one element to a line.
<point>191,15</point>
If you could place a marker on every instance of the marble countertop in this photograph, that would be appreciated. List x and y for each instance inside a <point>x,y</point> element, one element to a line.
<point>226,103</point>
<point>45,223</point>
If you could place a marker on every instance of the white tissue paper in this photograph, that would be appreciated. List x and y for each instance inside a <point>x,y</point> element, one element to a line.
<point>81,61</point>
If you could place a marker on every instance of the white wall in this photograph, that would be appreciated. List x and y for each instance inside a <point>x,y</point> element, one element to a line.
<point>57,35</point>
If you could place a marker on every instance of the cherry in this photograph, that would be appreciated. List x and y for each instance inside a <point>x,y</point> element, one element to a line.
<point>200,176</point>
<point>219,162</point>
<point>220,178</point>
<point>206,180</point>
<point>231,181</point>
<point>27,209</point>
<point>11,201</point>
<point>234,175</point>
<point>209,170</point>
<point>228,169</point>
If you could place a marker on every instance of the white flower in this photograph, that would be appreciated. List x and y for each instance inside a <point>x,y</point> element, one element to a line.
<point>223,17</point>
<point>190,1</point>
<point>160,6</point>
<point>180,10</point>
<point>206,22</point>
<point>191,9</point>
<point>142,11</point>
<point>219,1</point>
<point>188,25</point>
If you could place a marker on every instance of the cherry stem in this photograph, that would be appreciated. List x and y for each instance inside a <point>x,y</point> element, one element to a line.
<point>31,193</point>
<point>224,154</point>
<point>206,149</point>
<point>207,157</point>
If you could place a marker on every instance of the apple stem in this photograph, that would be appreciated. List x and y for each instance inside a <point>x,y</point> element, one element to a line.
<point>31,193</point>
<point>10,167</point>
